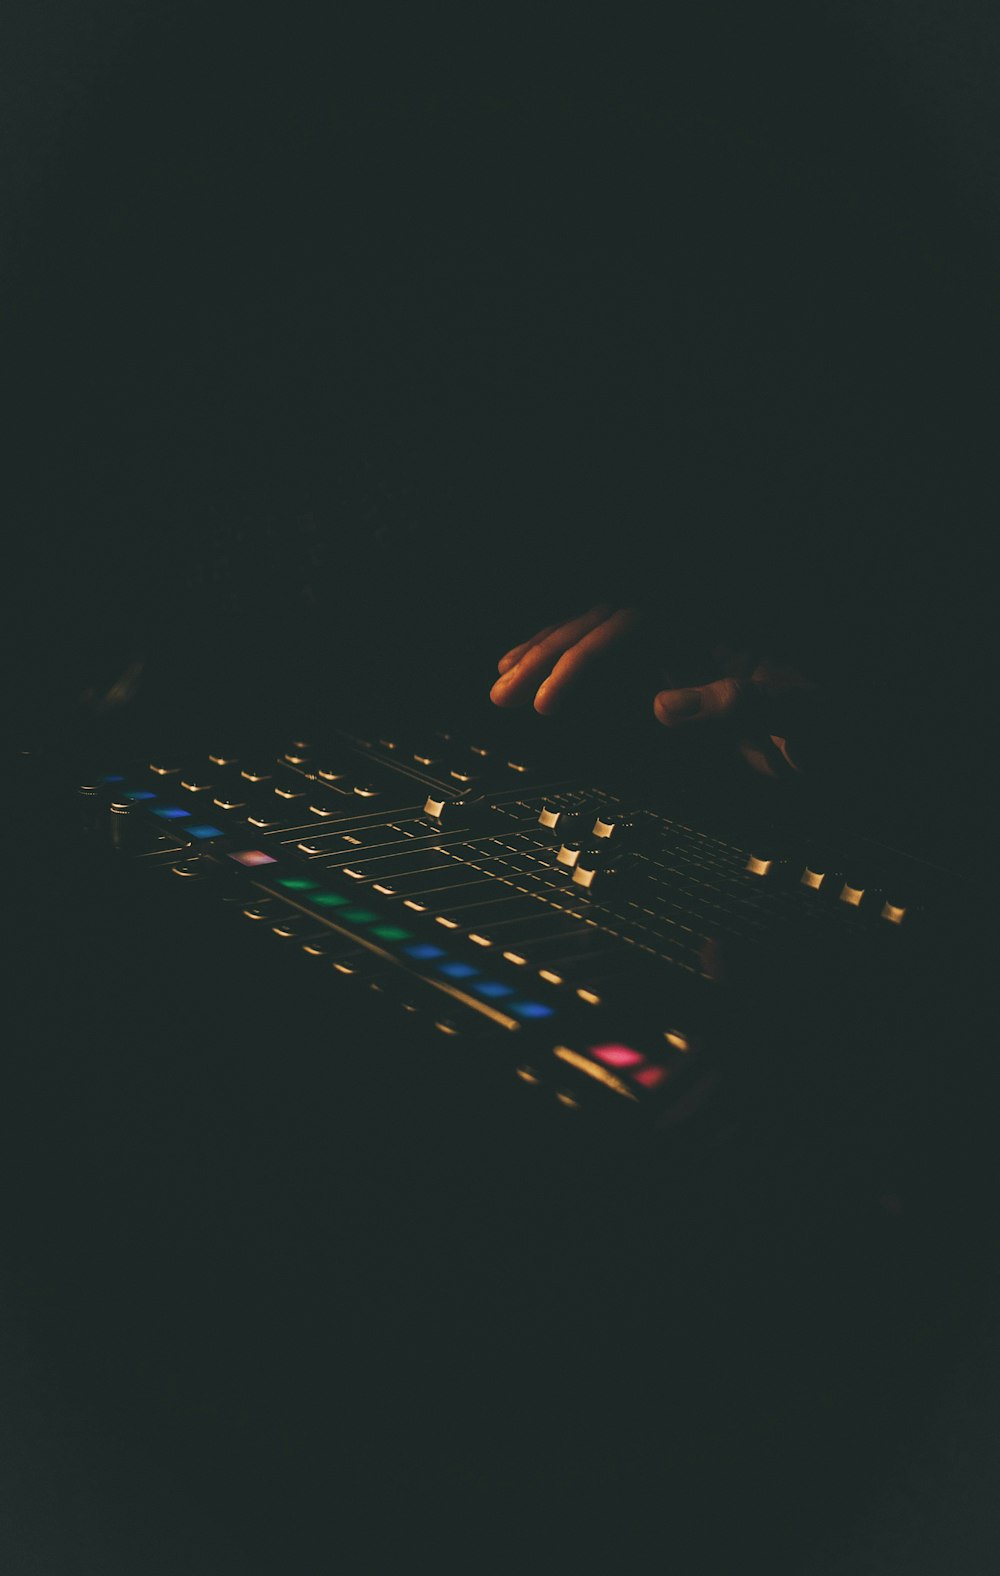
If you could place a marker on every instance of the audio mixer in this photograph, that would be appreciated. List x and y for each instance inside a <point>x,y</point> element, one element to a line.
<point>607,952</point>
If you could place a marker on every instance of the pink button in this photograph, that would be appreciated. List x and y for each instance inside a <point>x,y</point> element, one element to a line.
<point>617,1055</point>
<point>253,856</point>
<point>651,1077</point>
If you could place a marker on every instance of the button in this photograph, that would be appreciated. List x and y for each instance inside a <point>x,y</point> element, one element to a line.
<point>224,759</point>
<point>228,804</point>
<point>162,770</point>
<point>203,833</point>
<point>251,857</point>
<point>330,773</point>
<point>256,775</point>
<point>290,793</point>
<point>170,812</point>
<point>195,785</point>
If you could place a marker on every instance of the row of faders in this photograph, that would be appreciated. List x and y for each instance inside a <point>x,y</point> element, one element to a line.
<point>599,940</point>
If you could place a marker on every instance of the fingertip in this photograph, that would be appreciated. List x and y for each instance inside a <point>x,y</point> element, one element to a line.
<point>674,707</point>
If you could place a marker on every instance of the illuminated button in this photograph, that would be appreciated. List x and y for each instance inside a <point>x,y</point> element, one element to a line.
<point>532,1009</point>
<point>203,832</point>
<point>323,810</point>
<point>519,766</point>
<point>113,777</point>
<point>449,924</point>
<point>813,878</point>
<point>290,793</point>
<point>170,812</point>
<point>458,971</point>
<point>589,996</point>
<point>480,941</point>
<point>163,771</point>
<point>391,933</point>
<point>424,952</point>
<point>380,886</point>
<point>651,1077</point>
<point>230,804</point>
<point>515,957</point>
<point>679,1041</point>
<point>425,760</point>
<point>330,774</point>
<point>297,883</point>
<point>263,822</point>
<point>296,758</point>
<point>252,775</point>
<point>223,760</point>
<point>329,900</point>
<point>359,916</point>
<point>252,857</point>
<point>551,977</point>
<point>758,867</point>
<point>893,913</point>
<point>304,847</point>
<point>137,795</point>
<point>462,776</point>
<point>192,785</point>
<point>493,989</point>
<point>418,908</point>
<point>527,1075</point>
<point>851,894</point>
<point>617,1055</point>
<point>366,790</point>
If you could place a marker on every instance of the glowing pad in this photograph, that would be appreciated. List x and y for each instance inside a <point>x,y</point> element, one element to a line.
<point>651,1077</point>
<point>532,1009</point>
<point>424,951</point>
<point>391,933</point>
<point>170,812</point>
<point>297,884</point>
<point>204,832</point>
<point>458,971</point>
<point>493,989</point>
<point>617,1055</point>
<point>253,856</point>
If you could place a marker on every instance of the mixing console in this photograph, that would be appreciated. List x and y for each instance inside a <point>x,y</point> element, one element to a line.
<point>612,953</point>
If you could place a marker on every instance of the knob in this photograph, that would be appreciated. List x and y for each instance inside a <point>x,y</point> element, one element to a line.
<point>556,818</point>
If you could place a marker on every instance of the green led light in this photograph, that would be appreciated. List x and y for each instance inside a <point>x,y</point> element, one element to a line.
<point>297,883</point>
<point>330,900</point>
<point>391,933</point>
<point>359,916</point>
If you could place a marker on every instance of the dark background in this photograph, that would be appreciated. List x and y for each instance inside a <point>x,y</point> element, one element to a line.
<point>337,355</point>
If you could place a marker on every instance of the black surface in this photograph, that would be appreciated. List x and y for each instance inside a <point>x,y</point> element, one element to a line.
<point>333,363</point>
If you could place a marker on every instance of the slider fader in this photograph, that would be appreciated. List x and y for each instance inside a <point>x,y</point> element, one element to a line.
<point>617,956</point>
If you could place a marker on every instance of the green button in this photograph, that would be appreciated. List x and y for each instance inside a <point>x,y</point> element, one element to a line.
<point>359,916</point>
<point>330,900</point>
<point>297,883</point>
<point>391,933</point>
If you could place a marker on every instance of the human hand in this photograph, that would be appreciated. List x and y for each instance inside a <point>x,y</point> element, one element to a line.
<point>553,660</point>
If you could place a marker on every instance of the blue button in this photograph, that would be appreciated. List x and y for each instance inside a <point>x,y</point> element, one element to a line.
<point>493,988</point>
<point>138,793</point>
<point>424,950</point>
<point>204,831</point>
<point>531,1009</point>
<point>170,812</point>
<point>458,971</point>
<point>113,777</point>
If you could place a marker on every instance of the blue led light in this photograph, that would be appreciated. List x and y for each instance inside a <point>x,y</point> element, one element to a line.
<point>113,777</point>
<point>458,971</point>
<point>170,812</point>
<point>204,831</point>
<point>531,1009</point>
<point>423,950</point>
<point>493,988</point>
<point>138,793</point>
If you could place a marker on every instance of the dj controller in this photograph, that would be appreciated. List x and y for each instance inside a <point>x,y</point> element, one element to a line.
<point>609,953</point>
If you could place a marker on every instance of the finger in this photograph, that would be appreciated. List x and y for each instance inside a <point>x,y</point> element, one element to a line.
<point>580,656</point>
<point>716,702</point>
<point>514,687</point>
<point>515,654</point>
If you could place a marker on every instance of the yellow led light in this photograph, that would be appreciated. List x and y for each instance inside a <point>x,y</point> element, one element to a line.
<point>449,924</point>
<point>567,1100</point>
<point>678,1041</point>
<point>515,957</point>
<point>481,941</point>
<point>593,1070</point>
<point>548,974</point>
<point>589,996</point>
<point>527,1076</point>
<point>418,908</point>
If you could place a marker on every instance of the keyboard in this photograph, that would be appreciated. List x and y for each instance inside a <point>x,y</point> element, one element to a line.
<point>605,951</point>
